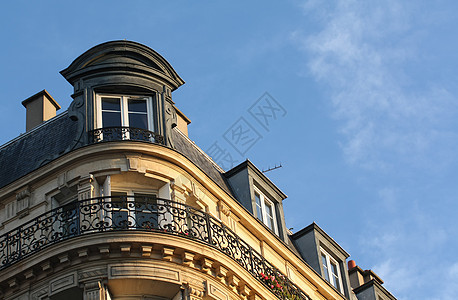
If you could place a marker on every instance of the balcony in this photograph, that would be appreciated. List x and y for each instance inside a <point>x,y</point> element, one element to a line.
<point>150,214</point>
<point>108,134</point>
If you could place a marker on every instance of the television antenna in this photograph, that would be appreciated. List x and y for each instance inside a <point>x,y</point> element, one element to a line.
<point>271,169</point>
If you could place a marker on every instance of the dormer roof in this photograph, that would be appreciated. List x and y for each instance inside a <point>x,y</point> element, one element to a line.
<point>121,57</point>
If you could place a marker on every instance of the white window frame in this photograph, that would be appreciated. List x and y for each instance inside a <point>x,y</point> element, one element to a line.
<point>265,200</point>
<point>124,109</point>
<point>331,279</point>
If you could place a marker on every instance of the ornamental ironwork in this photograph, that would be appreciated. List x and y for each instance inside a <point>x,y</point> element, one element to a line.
<point>143,213</point>
<point>108,134</point>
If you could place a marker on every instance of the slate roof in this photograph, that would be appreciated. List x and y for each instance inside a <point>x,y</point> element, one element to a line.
<point>185,146</point>
<point>50,140</point>
<point>35,148</point>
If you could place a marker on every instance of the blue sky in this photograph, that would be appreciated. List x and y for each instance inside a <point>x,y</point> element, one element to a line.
<point>369,140</point>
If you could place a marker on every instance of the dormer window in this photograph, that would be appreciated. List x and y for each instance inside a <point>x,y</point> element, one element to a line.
<point>331,270</point>
<point>265,210</point>
<point>123,117</point>
<point>324,255</point>
<point>124,111</point>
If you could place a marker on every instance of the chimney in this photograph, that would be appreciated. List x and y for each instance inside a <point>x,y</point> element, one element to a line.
<point>40,107</point>
<point>359,276</point>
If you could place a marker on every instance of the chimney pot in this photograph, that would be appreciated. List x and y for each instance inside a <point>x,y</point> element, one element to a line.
<point>351,264</point>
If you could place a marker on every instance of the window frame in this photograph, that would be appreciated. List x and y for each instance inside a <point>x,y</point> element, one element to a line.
<point>330,278</point>
<point>124,109</point>
<point>130,195</point>
<point>263,200</point>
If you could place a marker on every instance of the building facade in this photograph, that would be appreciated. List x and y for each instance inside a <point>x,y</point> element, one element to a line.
<point>111,200</point>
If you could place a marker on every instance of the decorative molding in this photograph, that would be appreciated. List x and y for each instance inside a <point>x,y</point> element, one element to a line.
<point>167,253</point>
<point>90,274</point>
<point>83,252</point>
<point>46,266</point>
<point>40,294</point>
<point>195,289</point>
<point>254,296</point>
<point>24,296</point>
<point>63,283</point>
<point>215,292</point>
<point>146,250</point>
<point>143,271</point>
<point>62,180</point>
<point>13,283</point>
<point>224,208</point>
<point>133,161</point>
<point>94,291</point>
<point>206,265</point>
<point>125,248</point>
<point>104,250</point>
<point>85,187</point>
<point>24,193</point>
<point>194,195</point>
<point>170,116</point>
<point>29,274</point>
<point>221,272</point>
<point>23,201</point>
<point>76,112</point>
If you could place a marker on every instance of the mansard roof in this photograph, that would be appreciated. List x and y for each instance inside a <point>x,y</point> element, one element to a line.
<point>57,137</point>
<point>36,148</point>
<point>122,57</point>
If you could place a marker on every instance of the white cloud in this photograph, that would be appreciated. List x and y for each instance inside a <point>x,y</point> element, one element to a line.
<point>400,276</point>
<point>361,53</point>
<point>407,251</point>
<point>399,120</point>
<point>449,283</point>
<point>389,199</point>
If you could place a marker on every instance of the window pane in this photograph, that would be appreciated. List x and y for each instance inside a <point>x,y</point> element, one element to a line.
<point>137,105</point>
<point>119,212</point>
<point>270,222</point>
<point>111,104</point>
<point>335,276</point>
<point>146,215</point>
<point>269,215</point>
<point>119,199</point>
<point>144,200</point>
<point>258,206</point>
<point>325,266</point>
<point>138,120</point>
<point>111,119</point>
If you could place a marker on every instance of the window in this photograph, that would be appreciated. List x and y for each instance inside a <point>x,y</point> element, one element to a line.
<point>265,210</point>
<point>124,111</point>
<point>134,210</point>
<point>331,270</point>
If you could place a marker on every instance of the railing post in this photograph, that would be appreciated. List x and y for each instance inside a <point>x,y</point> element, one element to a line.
<point>7,248</point>
<point>252,262</point>
<point>78,218</point>
<point>207,218</point>
<point>19,243</point>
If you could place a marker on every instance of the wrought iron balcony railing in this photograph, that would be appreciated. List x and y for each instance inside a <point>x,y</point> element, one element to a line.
<point>108,134</point>
<point>153,214</point>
